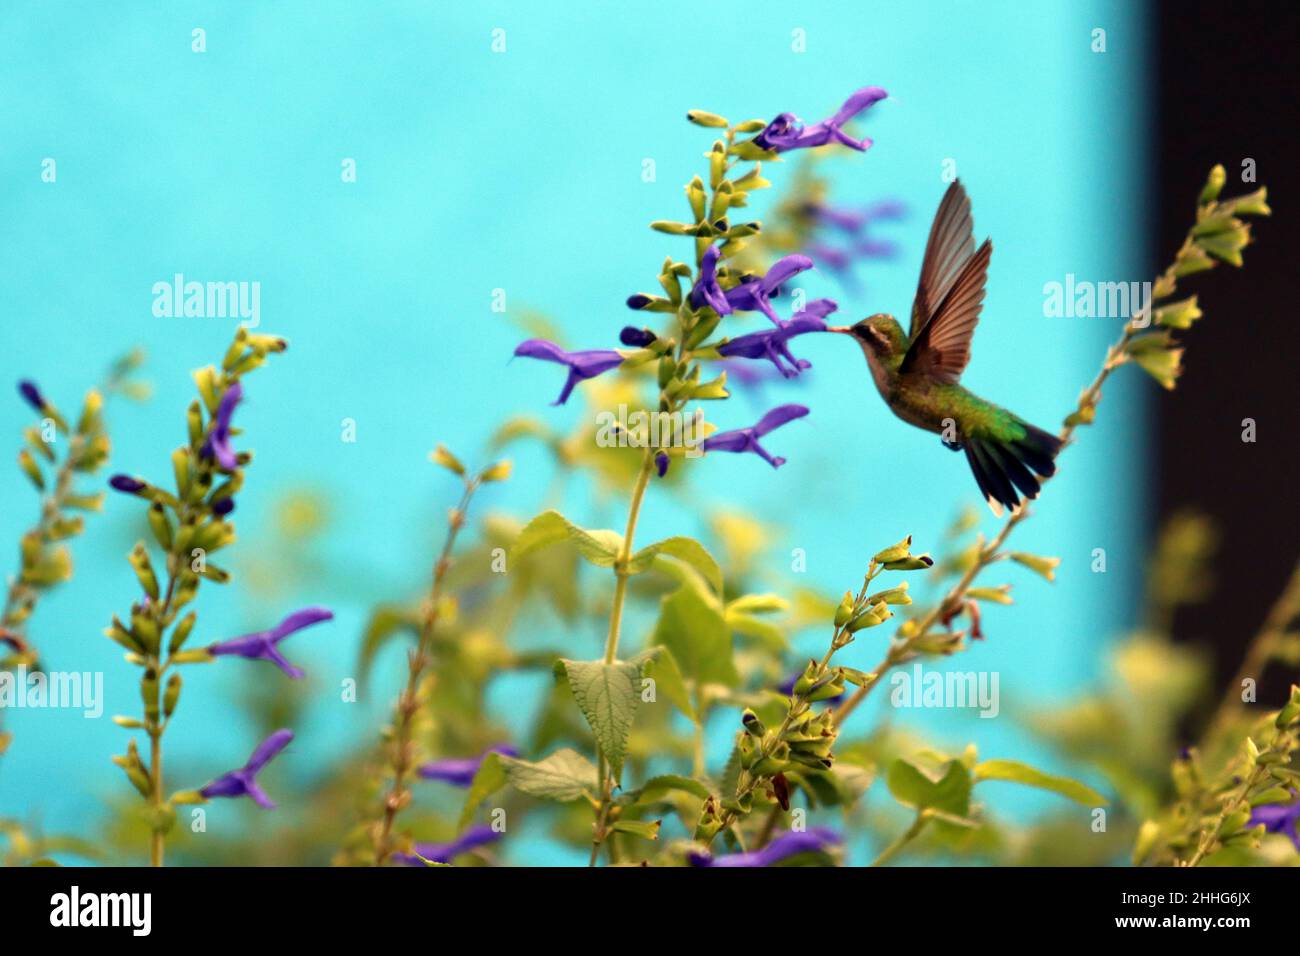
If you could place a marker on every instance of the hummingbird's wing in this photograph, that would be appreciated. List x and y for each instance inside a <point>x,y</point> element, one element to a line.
<point>951,244</point>
<point>942,348</point>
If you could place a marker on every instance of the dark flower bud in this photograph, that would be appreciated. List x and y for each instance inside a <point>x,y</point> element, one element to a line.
<point>636,338</point>
<point>223,507</point>
<point>638,301</point>
<point>661,463</point>
<point>31,394</point>
<point>127,484</point>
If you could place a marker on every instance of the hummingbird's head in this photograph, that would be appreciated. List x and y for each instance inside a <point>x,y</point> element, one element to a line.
<point>879,335</point>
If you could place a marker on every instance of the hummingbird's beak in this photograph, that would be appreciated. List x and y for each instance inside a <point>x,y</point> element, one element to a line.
<point>839,328</point>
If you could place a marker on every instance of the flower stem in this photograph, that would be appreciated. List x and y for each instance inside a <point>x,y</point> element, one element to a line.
<point>157,838</point>
<point>599,833</point>
<point>912,832</point>
<point>408,703</point>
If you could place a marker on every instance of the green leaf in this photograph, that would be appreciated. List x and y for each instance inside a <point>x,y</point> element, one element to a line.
<point>550,527</point>
<point>692,627</point>
<point>948,793</point>
<point>766,634</point>
<point>659,665</point>
<point>683,549</point>
<point>565,775</point>
<point>758,604</point>
<point>646,829</point>
<point>607,695</point>
<point>490,777</point>
<point>656,787</point>
<point>1017,772</point>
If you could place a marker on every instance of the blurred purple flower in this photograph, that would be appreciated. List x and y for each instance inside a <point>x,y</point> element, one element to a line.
<point>787,845</point>
<point>474,837</point>
<point>746,439</point>
<point>755,294</point>
<point>126,484</point>
<point>582,365</point>
<point>1279,818</point>
<point>218,444</point>
<point>459,771</point>
<point>706,290</point>
<point>661,463</point>
<point>786,132</point>
<point>787,686</point>
<point>773,344</point>
<point>243,782</point>
<point>261,645</point>
<point>31,394</point>
<point>636,338</point>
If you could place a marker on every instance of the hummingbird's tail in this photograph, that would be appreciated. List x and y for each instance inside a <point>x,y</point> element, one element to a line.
<point>1002,465</point>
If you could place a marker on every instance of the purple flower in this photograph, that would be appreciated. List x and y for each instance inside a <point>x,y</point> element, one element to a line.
<point>127,484</point>
<point>31,395</point>
<point>1279,818</point>
<point>787,686</point>
<point>218,444</point>
<point>582,365</point>
<point>850,220</point>
<point>636,338</point>
<point>474,837</point>
<point>746,439</point>
<point>661,463</point>
<point>706,290</point>
<point>261,645</point>
<point>755,294</point>
<point>784,847</point>
<point>786,132</point>
<point>773,344</point>
<point>223,507</point>
<point>459,771</point>
<point>243,782</point>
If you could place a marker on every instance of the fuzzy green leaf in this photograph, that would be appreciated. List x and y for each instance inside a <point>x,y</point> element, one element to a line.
<point>948,793</point>
<point>691,625</point>
<point>683,549</point>
<point>550,527</point>
<point>607,695</point>
<point>1017,772</point>
<point>565,775</point>
<point>658,664</point>
<point>490,777</point>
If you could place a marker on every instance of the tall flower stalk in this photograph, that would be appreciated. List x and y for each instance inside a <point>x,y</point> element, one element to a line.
<point>402,753</point>
<point>189,524</point>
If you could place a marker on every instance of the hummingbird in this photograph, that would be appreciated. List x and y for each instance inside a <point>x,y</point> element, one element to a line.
<point>917,372</point>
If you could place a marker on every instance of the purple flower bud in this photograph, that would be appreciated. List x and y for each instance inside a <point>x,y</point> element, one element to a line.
<point>243,782</point>
<point>582,365</point>
<point>261,645</point>
<point>127,484</point>
<point>638,301</point>
<point>636,338</point>
<point>471,839</point>
<point>746,439</point>
<point>460,771</point>
<point>788,845</point>
<point>661,463</point>
<point>31,395</point>
<point>223,507</point>
<point>1279,818</point>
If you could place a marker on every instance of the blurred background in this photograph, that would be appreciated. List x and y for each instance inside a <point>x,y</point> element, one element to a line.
<point>519,176</point>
